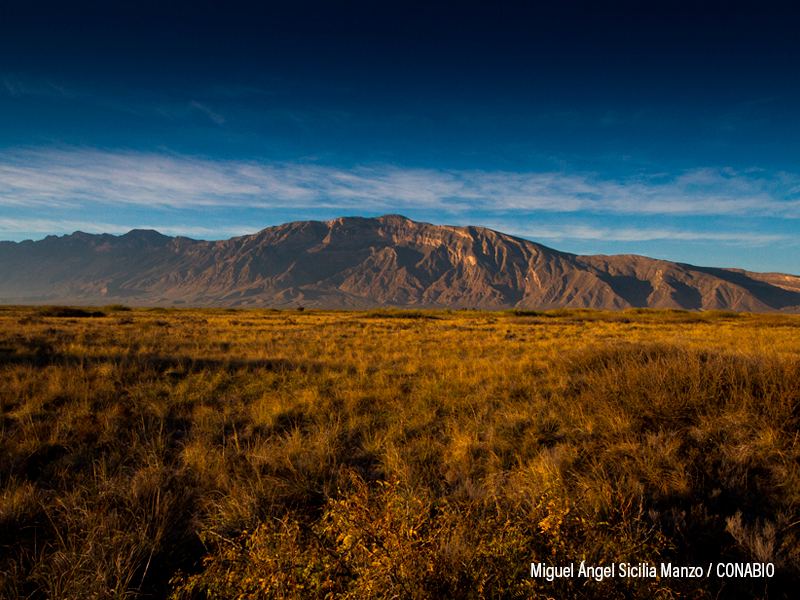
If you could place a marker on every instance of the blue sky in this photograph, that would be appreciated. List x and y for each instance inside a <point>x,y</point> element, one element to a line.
<point>669,129</point>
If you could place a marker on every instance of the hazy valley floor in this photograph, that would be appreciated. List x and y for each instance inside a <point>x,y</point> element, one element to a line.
<point>395,454</point>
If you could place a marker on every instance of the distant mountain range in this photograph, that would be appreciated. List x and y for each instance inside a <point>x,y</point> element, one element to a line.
<point>366,263</point>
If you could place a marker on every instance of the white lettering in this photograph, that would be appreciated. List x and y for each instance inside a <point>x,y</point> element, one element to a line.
<point>745,570</point>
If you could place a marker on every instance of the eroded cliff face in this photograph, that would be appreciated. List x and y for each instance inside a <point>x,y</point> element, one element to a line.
<point>355,262</point>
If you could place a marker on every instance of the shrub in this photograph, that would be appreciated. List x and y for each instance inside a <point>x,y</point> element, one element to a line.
<point>69,311</point>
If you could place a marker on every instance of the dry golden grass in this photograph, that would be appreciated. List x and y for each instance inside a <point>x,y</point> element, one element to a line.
<point>393,454</point>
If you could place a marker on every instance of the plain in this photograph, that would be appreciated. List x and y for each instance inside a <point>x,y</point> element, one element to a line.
<point>394,454</point>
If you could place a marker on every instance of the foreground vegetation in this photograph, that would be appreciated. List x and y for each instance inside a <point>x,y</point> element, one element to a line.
<point>394,454</point>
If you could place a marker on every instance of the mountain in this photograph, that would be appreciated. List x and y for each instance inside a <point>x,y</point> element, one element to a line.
<point>365,263</point>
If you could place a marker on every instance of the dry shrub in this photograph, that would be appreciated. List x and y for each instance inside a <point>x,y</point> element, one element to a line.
<point>382,540</point>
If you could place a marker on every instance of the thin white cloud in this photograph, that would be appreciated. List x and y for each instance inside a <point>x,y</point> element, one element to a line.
<point>638,234</point>
<point>51,226</point>
<point>18,87</point>
<point>217,118</point>
<point>56,227</point>
<point>74,177</point>
<point>140,103</point>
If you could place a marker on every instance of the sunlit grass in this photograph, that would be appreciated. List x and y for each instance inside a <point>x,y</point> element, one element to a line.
<point>393,454</point>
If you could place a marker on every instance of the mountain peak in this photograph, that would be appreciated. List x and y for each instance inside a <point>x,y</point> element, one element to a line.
<point>396,220</point>
<point>355,262</point>
<point>144,234</point>
<point>144,237</point>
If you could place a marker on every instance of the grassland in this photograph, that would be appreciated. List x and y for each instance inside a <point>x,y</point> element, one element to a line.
<point>394,454</point>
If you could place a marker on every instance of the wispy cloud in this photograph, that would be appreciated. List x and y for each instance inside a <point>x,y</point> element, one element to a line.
<point>138,102</point>
<point>75,177</point>
<point>638,234</point>
<point>52,226</point>
<point>55,227</point>
<point>17,87</point>
<point>217,118</point>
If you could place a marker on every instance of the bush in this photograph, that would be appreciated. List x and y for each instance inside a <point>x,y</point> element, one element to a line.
<point>68,311</point>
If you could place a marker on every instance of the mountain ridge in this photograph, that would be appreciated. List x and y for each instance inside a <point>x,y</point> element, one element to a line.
<point>357,262</point>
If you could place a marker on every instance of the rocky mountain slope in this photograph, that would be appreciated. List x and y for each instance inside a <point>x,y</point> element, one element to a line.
<point>365,263</point>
